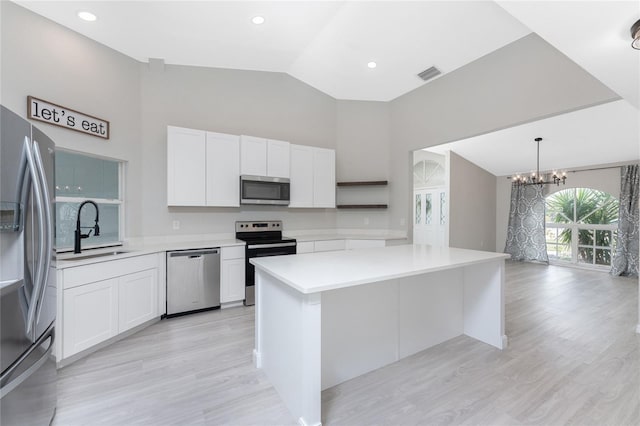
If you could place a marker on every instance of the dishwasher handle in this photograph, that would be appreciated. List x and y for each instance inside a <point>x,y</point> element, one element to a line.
<point>193,254</point>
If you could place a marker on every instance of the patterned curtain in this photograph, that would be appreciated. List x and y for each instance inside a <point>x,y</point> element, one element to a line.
<point>625,258</point>
<point>525,235</point>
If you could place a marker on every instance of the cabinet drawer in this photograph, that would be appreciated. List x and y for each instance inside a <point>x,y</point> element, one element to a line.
<point>233,252</point>
<point>80,275</point>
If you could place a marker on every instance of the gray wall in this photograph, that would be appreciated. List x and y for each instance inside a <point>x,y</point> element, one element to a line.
<point>43,59</point>
<point>524,81</point>
<point>362,140</point>
<point>272,105</point>
<point>472,205</point>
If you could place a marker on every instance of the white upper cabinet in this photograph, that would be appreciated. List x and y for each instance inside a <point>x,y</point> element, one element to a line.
<point>264,157</point>
<point>313,177</point>
<point>324,178</point>
<point>278,158</point>
<point>186,167</point>
<point>223,170</point>
<point>301,175</point>
<point>203,168</point>
<point>253,156</point>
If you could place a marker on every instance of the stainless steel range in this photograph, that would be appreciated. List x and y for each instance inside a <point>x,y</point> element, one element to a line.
<point>262,239</point>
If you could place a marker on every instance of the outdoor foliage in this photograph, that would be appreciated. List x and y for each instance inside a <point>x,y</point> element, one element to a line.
<point>584,206</point>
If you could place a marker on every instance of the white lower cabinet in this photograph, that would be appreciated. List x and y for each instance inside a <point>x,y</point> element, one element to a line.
<point>137,299</point>
<point>102,300</point>
<point>232,275</point>
<point>90,315</point>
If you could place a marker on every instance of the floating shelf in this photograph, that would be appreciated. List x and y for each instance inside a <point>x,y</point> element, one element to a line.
<point>364,183</point>
<point>362,206</point>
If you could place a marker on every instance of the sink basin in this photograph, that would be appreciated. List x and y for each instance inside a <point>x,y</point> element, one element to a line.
<point>95,255</point>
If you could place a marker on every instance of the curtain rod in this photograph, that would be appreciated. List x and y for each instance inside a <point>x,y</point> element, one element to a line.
<point>602,168</point>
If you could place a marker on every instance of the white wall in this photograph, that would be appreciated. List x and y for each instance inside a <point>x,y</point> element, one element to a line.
<point>607,180</point>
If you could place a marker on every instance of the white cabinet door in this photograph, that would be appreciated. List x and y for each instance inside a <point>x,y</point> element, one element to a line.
<point>253,156</point>
<point>324,178</point>
<point>329,245</point>
<point>223,170</point>
<point>277,158</point>
<point>137,299</point>
<point>232,280</point>
<point>301,176</point>
<point>186,167</point>
<point>90,315</point>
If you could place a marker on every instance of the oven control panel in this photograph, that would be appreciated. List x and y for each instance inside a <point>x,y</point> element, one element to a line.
<point>247,226</point>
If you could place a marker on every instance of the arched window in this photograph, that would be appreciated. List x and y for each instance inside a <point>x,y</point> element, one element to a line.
<point>581,225</point>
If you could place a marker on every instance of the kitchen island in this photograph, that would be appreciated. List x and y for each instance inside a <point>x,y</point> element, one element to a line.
<point>324,318</point>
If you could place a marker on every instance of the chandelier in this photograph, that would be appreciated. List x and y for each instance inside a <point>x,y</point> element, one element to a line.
<point>537,178</point>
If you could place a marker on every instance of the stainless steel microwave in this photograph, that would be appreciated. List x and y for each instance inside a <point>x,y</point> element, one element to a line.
<point>264,190</point>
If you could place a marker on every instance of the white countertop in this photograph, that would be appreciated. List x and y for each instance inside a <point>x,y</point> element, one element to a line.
<point>316,272</point>
<point>66,260</point>
<point>159,244</point>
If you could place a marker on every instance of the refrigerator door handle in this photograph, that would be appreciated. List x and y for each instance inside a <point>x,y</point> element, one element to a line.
<point>37,195</point>
<point>48,230</point>
<point>7,385</point>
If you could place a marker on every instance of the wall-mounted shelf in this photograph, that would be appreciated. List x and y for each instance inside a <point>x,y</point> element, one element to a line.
<point>358,204</point>
<point>364,183</point>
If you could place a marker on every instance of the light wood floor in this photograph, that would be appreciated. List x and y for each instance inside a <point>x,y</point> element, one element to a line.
<point>573,358</point>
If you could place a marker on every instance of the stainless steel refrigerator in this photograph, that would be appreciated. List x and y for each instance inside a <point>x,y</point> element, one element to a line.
<point>27,274</point>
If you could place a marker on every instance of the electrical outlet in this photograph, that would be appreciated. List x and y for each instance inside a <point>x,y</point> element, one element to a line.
<point>366,220</point>
<point>176,225</point>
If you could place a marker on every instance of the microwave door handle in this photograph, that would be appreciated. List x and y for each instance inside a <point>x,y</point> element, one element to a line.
<point>47,242</point>
<point>37,196</point>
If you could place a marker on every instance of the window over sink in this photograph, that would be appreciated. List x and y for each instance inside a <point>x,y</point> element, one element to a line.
<point>80,177</point>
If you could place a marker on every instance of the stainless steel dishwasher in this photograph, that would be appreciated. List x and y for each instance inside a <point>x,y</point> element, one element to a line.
<point>193,280</point>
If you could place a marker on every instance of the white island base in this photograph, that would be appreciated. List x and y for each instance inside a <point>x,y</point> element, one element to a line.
<point>324,318</point>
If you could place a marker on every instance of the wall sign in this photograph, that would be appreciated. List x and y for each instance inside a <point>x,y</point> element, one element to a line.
<point>40,110</point>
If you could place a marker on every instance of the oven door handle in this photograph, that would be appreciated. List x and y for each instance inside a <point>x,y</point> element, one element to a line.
<point>276,245</point>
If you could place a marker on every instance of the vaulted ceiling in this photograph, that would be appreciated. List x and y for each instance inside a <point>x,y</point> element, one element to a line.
<point>328,44</point>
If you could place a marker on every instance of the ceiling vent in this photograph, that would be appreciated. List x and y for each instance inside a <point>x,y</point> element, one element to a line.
<point>429,73</point>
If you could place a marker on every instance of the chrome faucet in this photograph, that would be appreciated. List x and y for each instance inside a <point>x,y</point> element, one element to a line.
<point>78,234</point>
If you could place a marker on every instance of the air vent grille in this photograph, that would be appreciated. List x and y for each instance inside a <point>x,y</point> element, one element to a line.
<point>429,73</point>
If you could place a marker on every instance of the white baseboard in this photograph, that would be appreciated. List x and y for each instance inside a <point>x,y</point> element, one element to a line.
<point>505,341</point>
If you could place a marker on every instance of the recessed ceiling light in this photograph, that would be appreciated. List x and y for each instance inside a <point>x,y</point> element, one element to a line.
<point>257,20</point>
<point>372,65</point>
<point>87,16</point>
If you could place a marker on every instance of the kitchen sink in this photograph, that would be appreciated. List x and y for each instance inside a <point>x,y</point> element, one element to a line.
<point>95,255</point>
